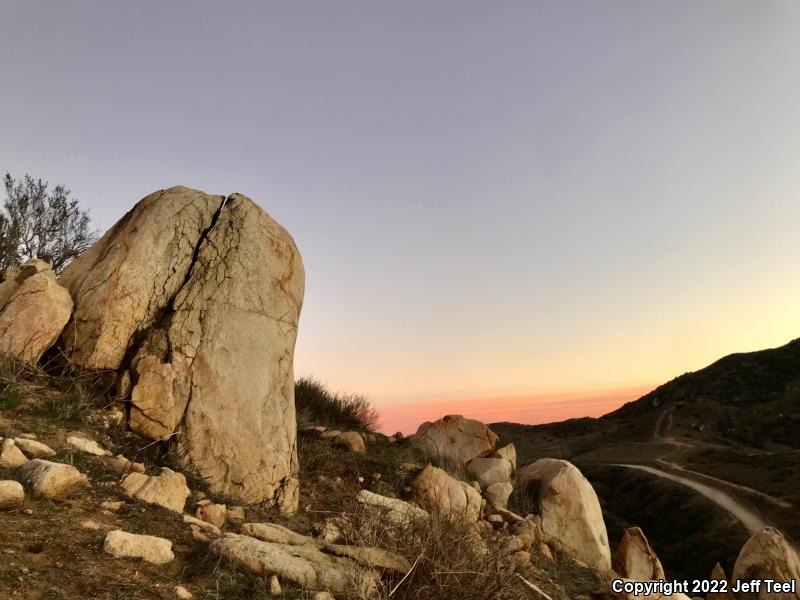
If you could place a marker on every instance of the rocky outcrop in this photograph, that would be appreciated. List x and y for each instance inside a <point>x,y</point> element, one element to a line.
<point>635,559</point>
<point>767,555</point>
<point>437,491</point>
<point>509,452</point>
<point>303,565</point>
<point>569,509</point>
<point>34,313</point>
<point>12,494</point>
<point>168,489</point>
<point>53,480</point>
<point>121,544</point>
<point>455,438</point>
<point>199,296</point>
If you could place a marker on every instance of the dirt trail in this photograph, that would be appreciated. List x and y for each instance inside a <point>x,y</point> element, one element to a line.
<point>751,521</point>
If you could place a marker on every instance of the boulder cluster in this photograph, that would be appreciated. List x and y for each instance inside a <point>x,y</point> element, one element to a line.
<point>192,301</point>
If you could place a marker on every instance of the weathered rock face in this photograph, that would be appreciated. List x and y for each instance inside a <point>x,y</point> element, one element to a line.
<point>455,438</point>
<point>635,559</point>
<point>11,457</point>
<point>497,494</point>
<point>34,313</point>
<point>767,555</point>
<point>435,490</point>
<point>200,297</point>
<point>569,509</point>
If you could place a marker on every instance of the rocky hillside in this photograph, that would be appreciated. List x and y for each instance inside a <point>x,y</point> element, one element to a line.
<point>149,446</point>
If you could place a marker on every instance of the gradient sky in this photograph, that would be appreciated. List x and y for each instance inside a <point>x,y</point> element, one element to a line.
<point>524,210</point>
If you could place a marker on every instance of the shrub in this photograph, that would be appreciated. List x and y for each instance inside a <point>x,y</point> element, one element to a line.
<point>316,405</point>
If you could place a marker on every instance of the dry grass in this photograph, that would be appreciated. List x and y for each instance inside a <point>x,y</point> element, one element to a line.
<point>316,405</point>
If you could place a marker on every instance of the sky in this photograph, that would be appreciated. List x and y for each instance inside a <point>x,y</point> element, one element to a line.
<point>518,211</point>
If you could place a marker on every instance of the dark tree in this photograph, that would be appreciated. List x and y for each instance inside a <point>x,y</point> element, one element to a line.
<point>39,223</point>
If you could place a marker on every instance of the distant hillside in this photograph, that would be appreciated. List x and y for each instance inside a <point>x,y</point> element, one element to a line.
<point>752,399</point>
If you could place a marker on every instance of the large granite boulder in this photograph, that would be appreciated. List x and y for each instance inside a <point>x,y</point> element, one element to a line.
<point>767,555</point>
<point>569,509</point>
<point>34,311</point>
<point>455,438</point>
<point>199,297</point>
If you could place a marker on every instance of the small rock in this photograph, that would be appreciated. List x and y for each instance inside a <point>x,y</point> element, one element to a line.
<point>53,480</point>
<point>87,446</point>
<point>376,477</point>
<point>121,544</point>
<point>168,489</point>
<point>122,465</point>
<point>351,440</point>
<point>236,515</point>
<point>12,494</point>
<point>11,457</point>
<point>322,596</point>
<point>495,520</point>
<point>275,586</point>
<point>34,448</point>
<point>198,535</point>
<point>409,467</point>
<point>330,434</point>
<point>112,505</point>
<point>211,513</point>
<point>94,525</point>
<point>498,494</point>
<point>182,593</point>
<point>360,480</point>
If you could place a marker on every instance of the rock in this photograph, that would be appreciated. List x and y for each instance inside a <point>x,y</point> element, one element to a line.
<point>122,465</point>
<point>718,574</point>
<point>87,446</point>
<point>509,452</point>
<point>121,544</point>
<point>200,524</point>
<point>34,448</point>
<point>498,494</point>
<point>236,515</point>
<point>569,509</point>
<point>168,489</point>
<point>375,558</point>
<point>495,520</point>
<point>211,513</point>
<point>303,565</point>
<point>93,525</point>
<point>12,494</point>
<point>508,516</point>
<point>436,491</point>
<point>767,555</point>
<point>332,529</point>
<point>489,471</point>
<point>197,533</point>
<point>53,480</point>
<point>112,505</point>
<point>396,512</point>
<point>455,438</point>
<point>222,284</point>
<point>182,593</point>
<point>11,457</point>
<point>34,315</point>
<point>330,434</point>
<point>635,559</point>
<point>275,586</point>
<point>351,440</point>
<point>322,596</point>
